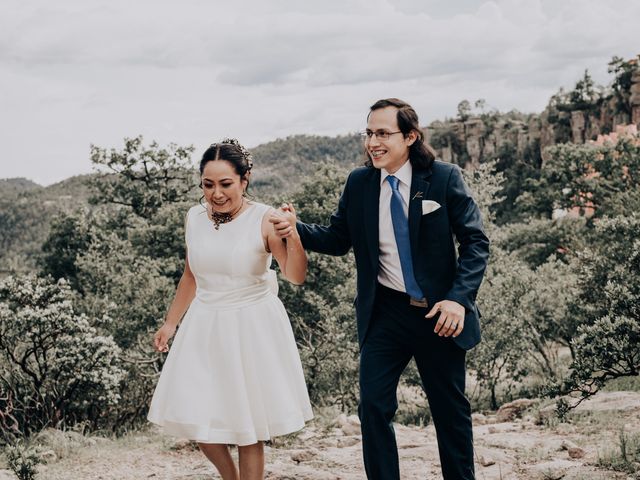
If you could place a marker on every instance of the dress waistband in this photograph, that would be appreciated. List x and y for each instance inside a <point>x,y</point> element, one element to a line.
<point>238,297</point>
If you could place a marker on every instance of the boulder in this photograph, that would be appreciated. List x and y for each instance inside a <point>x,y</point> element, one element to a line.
<point>512,410</point>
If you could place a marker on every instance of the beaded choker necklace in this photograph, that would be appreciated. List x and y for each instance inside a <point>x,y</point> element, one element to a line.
<point>219,218</point>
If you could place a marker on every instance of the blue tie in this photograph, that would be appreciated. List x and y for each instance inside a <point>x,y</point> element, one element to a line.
<point>401,232</point>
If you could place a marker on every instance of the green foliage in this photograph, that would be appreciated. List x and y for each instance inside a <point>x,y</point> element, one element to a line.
<point>585,95</point>
<point>25,216</point>
<point>56,367</point>
<point>279,163</point>
<point>23,461</point>
<point>69,237</point>
<point>134,289</point>
<point>524,307</point>
<point>538,239</point>
<point>624,458</point>
<point>321,310</point>
<point>13,186</point>
<point>588,178</point>
<point>464,110</point>
<point>519,169</point>
<point>607,344</point>
<point>142,178</point>
<point>621,85</point>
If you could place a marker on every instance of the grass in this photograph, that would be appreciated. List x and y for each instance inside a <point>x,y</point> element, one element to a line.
<point>625,457</point>
<point>627,384</point>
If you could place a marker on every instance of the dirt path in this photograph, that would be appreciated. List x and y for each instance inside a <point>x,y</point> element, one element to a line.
<point>508,449</point>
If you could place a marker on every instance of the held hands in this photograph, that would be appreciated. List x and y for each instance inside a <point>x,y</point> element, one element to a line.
<point>284,221</point>
<point>451,321</point>
<point>162,336</point>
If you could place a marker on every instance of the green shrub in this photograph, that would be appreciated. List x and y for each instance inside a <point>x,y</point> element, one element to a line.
<point>55,367</point>
<point>23,461</point>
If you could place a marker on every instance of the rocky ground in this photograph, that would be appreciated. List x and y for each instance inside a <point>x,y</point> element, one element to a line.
<point>521,441</point>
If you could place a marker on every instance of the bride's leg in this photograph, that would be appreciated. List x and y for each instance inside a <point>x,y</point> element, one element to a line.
<point>251,459</point>
<point>220,456</point>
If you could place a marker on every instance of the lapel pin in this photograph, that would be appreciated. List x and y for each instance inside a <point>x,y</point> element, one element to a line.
<point>417,195</point>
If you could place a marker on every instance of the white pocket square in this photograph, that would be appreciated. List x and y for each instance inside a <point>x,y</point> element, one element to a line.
<point>429,206</point>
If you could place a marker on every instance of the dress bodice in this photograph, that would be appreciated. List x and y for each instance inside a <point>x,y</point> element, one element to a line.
<point>230,265</point>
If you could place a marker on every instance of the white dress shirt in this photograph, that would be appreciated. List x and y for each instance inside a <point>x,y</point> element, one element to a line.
<point>390,270</point>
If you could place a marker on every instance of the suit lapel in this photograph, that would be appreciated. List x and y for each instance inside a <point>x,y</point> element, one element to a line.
<point>371,216</point>
<point>419,189</point>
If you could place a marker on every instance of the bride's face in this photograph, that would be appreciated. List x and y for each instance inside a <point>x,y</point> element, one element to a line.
<point>222,186</point>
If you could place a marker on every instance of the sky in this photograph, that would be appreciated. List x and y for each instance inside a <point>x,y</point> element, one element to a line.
<point>79,72</point>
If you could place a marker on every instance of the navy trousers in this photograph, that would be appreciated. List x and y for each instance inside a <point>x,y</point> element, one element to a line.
<point>397,333</point>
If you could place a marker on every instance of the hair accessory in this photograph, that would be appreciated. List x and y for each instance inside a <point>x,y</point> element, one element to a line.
<point>234,141</point>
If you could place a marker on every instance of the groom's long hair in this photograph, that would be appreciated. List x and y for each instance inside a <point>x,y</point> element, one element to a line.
<point>421,154</point>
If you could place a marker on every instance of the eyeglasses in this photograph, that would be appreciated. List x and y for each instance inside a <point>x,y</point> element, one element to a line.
<point>380,134</point>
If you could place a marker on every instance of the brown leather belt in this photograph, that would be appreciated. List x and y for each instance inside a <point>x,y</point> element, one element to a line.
<point>416,302</point>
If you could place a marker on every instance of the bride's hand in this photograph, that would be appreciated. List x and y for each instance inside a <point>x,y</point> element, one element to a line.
<point>284,221</point>
<point>162,336</point>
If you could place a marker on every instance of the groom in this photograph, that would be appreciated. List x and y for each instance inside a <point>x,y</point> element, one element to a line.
<point>416,290</point>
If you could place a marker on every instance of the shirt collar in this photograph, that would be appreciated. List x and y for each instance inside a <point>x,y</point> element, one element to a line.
<point>403,174</point>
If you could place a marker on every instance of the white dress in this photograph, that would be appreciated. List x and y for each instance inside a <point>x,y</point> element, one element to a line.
<point>233,373</point>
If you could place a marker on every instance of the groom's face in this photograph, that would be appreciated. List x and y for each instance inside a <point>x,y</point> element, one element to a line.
<point>390,153</point>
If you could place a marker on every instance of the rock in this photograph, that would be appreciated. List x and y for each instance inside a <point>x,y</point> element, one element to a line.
<point>340,420</point>
<point>304,455</point>
<point>510,411</point>
<point>493,430</point>
<point>307,434</point>
<point>328,442</point>
<point>615,401</point>
<point>349,425</point>
<point>348,441</point>
<point>478,419</point>
<point>182,445</point>
<point>573,450</point>
<point>486,461</point>
<point>48,456</point>
<point>553,470</point>
<point>567,444</point>
<point>576,452</point>
<point>100,440</point>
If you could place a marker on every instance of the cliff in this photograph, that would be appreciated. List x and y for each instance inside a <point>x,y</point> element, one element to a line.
<point>575,116</point>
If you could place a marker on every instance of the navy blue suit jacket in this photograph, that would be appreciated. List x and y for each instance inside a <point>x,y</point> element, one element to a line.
<point>441,270</point>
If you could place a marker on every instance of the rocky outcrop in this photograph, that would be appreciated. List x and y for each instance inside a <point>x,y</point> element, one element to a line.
<point>634,100</point>
<point>484,137</point>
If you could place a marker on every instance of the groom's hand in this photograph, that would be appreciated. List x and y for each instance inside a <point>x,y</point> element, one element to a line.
<point>284,221</point>
<point>451,320</point>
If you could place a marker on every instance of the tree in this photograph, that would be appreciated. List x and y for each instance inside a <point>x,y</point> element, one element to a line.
<point>593,180</point>
<point>55,368</point>
<point>142,178</point>
<point>68,238</point>
<point>621,85</point>
<point>607,344</point>
<point>464,110</point>
<point>321,311</point>
<point>585,95</point>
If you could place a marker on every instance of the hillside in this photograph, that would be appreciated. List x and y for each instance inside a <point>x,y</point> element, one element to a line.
<point>280,164</point>
<point>14,186</point>
<point>26,211</point>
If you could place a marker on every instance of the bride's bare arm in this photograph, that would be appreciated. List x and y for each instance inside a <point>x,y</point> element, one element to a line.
<point>185,293</point>
<point>289,253</point>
